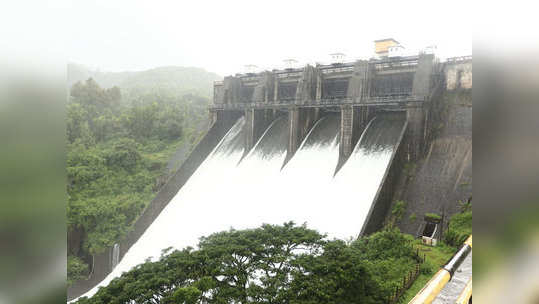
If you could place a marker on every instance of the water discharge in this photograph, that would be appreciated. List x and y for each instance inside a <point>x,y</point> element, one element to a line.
<point>228,191</point>
<point>356,184</point>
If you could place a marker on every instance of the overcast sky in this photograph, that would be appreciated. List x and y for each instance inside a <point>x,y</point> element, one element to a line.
<point>223,36</point>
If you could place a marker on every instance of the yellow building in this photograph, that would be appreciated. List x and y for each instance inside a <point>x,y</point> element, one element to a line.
<point>381,47</point>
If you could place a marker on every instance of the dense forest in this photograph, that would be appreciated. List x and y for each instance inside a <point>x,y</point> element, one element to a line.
<point>122,145</point>
<point>270,264</point>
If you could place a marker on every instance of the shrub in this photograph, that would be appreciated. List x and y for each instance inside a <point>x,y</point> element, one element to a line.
<point>460,227</point>
<point>76,269</point>
<point>426,268</point>
<point>433,217</point>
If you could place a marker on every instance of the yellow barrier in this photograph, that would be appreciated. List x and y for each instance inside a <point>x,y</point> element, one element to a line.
<point>466,294</point>
<point>436,284</point>
<point>433,288</point>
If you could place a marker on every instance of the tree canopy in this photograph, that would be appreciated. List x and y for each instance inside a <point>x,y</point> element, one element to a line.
<point>117,153</point>
<point>270,264</point>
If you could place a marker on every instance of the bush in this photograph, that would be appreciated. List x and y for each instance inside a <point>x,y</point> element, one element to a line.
<point>433,217</point>
<point>124,154</point>
<point>427,268</point>
<point>460,227</point>
<point>170,129</point>
<point>76,269</point>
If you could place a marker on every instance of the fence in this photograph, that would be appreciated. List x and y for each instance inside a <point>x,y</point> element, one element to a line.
<point>407,280</point>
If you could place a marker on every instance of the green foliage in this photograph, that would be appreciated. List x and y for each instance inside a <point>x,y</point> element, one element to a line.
<point>397,211</point>
<point>413,217</point>
<point>427,267</point>
<point>465,206</point>
<point>436,257</point>
<point>117,150</point>
<point>433,217</point>
<point>270,264</point>
<point>181,80</point>
<point>76,269</point>
<point>460,228</point>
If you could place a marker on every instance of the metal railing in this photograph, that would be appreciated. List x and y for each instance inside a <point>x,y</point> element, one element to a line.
<point>328,102</point>
<point>440,279</point>
<point>459,59</point>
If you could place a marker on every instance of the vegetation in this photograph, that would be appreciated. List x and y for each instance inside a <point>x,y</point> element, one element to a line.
<point>270,264</point>
<point>460,228</point>
<point>162,80</point>
<point>118,152</point>
<point>435,257</point>
<point>397,212</point>
<point>76,269</point>
<point>434,217</point>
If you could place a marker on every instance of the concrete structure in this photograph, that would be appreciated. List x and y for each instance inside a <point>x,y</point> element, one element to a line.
<point>357,90</point>
<point>458,73</point>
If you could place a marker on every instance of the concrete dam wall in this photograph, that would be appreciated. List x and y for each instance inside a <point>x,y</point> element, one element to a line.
<point>437,182</point>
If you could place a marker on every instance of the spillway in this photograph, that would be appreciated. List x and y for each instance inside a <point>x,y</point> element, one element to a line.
<point>230,191</point>
<point>355,185</point>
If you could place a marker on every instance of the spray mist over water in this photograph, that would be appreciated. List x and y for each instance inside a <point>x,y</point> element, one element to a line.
<point>225,192</point>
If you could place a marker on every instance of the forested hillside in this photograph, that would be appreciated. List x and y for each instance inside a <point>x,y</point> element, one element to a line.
<point>172,79</point>
<point>122,144</point>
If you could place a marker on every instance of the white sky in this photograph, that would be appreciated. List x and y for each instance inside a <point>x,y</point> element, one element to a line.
<point>223,36</point>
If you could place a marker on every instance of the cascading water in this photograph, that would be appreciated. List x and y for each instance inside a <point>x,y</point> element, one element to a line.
<point>356,184</point>
<point>115,255</point>
<point>225,192</point>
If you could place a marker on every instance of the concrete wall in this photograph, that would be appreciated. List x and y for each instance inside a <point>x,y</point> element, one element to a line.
<point>102,262</point>
<point>458,75</point>
<point>443,176</point>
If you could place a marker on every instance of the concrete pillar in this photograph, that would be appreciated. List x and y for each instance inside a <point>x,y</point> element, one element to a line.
<point>294,131</point>
<point>318,86</point>
<point>256,122</point>
<point>213,117</point>
<point>232,86</point>
<point>359,83</point>
<point>306,90</point>
<point>264,88</point>
<point>347,132</point>
<point>416,116</point>
<point>300,122</point>
<point>276,89</point>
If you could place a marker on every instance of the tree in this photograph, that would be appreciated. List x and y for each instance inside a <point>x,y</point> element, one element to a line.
<point>271,264</point>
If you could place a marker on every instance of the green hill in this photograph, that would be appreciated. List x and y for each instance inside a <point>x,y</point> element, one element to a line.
<point>180,80</point>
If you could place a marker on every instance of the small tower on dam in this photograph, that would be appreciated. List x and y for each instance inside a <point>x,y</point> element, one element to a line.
<point>357,90</point>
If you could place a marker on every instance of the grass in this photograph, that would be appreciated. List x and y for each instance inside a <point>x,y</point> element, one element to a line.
<point>436,257</point>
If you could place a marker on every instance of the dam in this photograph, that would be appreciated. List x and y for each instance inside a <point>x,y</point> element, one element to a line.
<point>319,145</point>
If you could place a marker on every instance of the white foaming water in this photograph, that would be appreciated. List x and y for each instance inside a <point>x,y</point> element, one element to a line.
<point>223,194</point>
<point>356,184</point>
